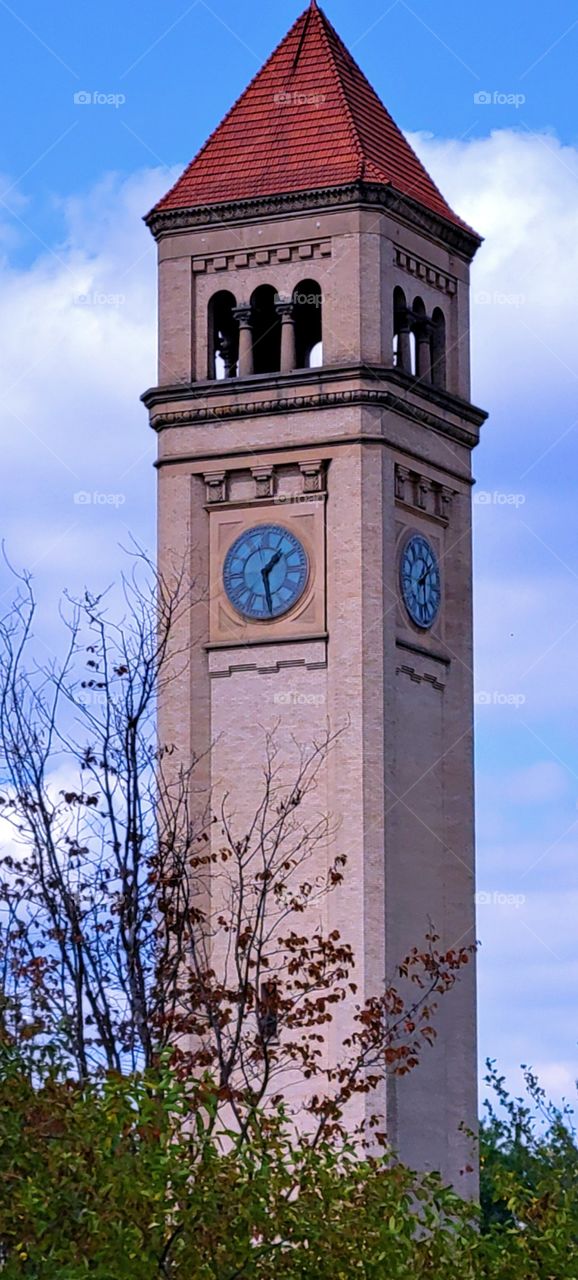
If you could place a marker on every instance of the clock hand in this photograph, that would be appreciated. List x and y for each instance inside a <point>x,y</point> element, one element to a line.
<point>265,574</point>
<point>275,560</point>
<point>268,595</point>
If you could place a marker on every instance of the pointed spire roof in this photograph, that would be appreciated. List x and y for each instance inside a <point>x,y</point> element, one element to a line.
<point>309,119</point>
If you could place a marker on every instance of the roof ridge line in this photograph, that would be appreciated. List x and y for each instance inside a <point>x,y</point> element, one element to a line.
<point>302,37</point>
<point>353,62</point>
<point>302,18</point>
<point>327,27</point>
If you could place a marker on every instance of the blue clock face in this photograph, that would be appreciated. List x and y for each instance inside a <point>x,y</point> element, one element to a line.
<point>265,572</point>
<point>420,581</point>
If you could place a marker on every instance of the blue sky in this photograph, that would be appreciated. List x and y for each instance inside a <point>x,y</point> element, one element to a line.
<point>77,320</point>
<point>426,59</point>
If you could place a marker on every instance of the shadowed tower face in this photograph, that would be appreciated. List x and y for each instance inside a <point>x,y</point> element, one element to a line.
<point>315,437</point>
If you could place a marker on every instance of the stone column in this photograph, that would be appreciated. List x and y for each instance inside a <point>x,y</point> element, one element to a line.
<point>423,355</point>
<point>286,310</point>
<point>244,316</point>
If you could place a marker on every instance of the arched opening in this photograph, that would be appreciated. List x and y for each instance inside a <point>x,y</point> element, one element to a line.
<point>266,331</point>
<point>422,330</point>
<point>438,348</point>
<point>402,347</point>
<point>308,317</point>
<point>223,336</point>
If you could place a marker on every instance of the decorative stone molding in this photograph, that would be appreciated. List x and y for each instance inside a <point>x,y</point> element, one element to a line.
<point>425,271</point>
<point>313,476</point>
<point>423,489</point>
<point>216,482</point>
<point>381,376</point>
<point>243,313</point>
<point>272,668</point>
<point>212,264</point>
<point>418,678</point>
<point>423,494</point>
<point>402,476</point>
<point>431,655</point>
<point>459,237</point>
<point>285,308</point>
<point>445,499</point>
<point>264,478</point>
<point>330,400</point>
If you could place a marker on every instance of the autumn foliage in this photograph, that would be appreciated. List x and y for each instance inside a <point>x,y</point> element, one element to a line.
<point>150,1040</point>
<point>111,946</point>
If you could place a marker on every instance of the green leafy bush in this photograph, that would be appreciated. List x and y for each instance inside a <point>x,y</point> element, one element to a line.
<point>131,1178</point>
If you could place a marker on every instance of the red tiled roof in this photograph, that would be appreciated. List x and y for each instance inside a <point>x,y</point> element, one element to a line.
<point>309,119</point>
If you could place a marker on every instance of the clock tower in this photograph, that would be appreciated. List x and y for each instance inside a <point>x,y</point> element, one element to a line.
<point>315,435</point>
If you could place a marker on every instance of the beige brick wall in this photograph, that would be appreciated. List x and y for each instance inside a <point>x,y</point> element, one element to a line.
<point>398,784</point>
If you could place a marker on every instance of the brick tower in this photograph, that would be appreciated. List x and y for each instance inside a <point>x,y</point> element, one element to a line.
<point>313,409</point>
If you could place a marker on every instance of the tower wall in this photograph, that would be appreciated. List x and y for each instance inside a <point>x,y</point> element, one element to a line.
<point>366,455</point>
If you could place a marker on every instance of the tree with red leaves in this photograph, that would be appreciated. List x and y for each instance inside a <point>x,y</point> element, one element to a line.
<point>111,950</point>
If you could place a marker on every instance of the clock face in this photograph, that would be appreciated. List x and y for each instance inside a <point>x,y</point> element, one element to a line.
<point>265,572</point>
<point>420,581</point>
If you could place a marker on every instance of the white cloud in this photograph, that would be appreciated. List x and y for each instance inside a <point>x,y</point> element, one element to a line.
<point>78,347</point>
<point>528,982</point>
<point>557,1078</point>
<point>538,784</point>
<point>11,199</point>
<point>518,190</point>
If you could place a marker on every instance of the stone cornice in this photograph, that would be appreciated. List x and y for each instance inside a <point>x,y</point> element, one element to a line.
<point>363,195</point>
<point>393,392</point>
<point>332,400</point>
